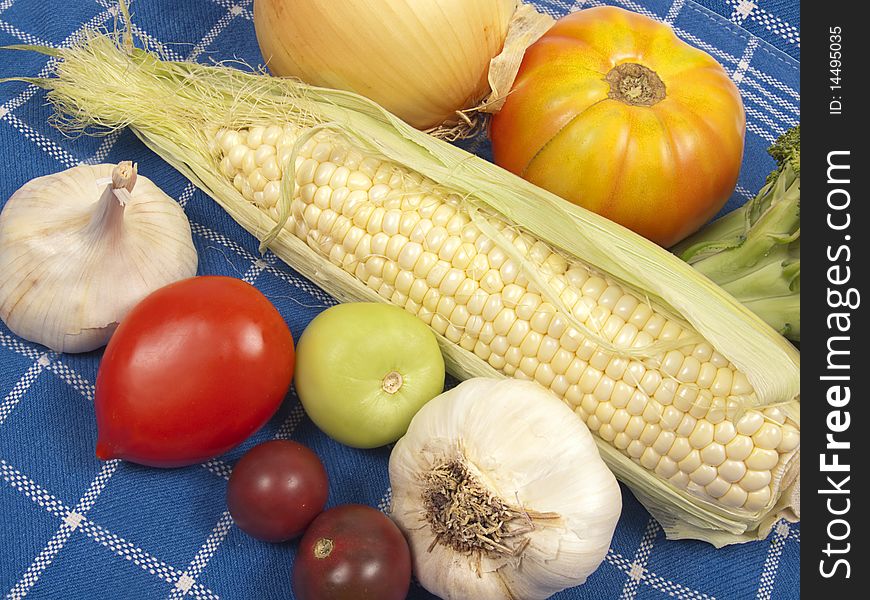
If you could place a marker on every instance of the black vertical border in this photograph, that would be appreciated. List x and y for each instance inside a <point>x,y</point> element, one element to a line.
<point>822,133</point>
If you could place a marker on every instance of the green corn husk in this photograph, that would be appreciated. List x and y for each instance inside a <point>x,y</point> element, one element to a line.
<point>754,251</point>
<point>174,107</point>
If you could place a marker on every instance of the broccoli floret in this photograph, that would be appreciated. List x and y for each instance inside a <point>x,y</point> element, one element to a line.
<point>787,148</point>
<point>754,251</point>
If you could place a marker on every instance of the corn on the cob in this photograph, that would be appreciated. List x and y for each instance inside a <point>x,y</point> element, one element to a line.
<point>676,413</point>
<point>692,398</point>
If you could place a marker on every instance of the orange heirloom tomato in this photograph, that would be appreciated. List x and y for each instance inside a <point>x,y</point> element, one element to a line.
<point>611,111</point>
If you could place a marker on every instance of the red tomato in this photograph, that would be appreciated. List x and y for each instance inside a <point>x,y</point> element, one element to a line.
<point>352,552</point>
<point>192,371</point>
<point>276,490</point>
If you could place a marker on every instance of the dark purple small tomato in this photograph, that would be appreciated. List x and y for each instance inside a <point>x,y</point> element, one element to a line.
<point>352,552</point>
<point>276,490</point>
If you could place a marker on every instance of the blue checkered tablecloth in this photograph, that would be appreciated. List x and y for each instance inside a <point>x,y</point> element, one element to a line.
<point>73,527</point>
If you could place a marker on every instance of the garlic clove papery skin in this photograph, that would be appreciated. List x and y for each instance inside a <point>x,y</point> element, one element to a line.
<point>527,448</point>
<point>74,260</point>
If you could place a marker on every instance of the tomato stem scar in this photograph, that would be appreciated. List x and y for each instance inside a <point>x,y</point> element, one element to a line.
<point>392,382</point>
<point>323,548</point>
<point>635,85</point>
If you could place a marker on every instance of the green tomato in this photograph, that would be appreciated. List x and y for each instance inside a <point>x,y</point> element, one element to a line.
<point>363,370</point>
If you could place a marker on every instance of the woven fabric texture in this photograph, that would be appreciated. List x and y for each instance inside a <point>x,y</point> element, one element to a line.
<point>72,527</point>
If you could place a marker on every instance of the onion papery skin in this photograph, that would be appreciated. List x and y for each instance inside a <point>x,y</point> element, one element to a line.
<point>422,61</point>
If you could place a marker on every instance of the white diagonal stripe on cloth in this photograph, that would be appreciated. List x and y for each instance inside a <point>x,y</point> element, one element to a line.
<point>547,9</point>
<point>73,379</point>
<point>673,589</point>
<point>218,467</point>
<point>201,592</point>
<point>6,4</point>
<point>297,413</point>
<point>793,109</point>
<point>774,24</point>
<point>655,581</point>
<point>48,146</point>
<point>674,11</point>
<point>186,194</point>
<point>100,534</point>
<point>743,64</point>
<point>130,552</point>
<point>19,347</point>
<point>744,192</point>
<point>386,500</point>
<point>20,388</point>
<point>634,6</point>
<point>742,8</point>
<point>41,562</point>
<point>70,523</point>
<point>89,498</point>
<point>225,522</point>
<point>32,90</point>
<point>229,4</point>
<point>724,56</point>
<point>215,31</point>
<point>787,119</point>
<point>17,480</point>
<point>21,35</point>
<point>105,147</point>
<point>771,564</point>
<point>728,58</point>
<point>195,568</point>
<point>303,284</point>
<point>775,83</point>
<point>153,44</point>
<point>257,267</point>
<point>760,132</point>
<point>567,5</point>
<point>94,22</point>
<point>637,570</point>
<point>618,560</point>
<point>773,128</point>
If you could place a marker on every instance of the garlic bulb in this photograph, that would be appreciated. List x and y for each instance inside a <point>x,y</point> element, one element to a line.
<point>500,490</point>
<point>422,61</point>
<point>79,248</point>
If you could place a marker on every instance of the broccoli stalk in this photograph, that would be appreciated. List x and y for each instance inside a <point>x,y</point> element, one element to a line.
<point>754,251</point>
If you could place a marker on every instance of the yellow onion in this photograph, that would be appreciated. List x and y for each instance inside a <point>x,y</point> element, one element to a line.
<point>423,61</point>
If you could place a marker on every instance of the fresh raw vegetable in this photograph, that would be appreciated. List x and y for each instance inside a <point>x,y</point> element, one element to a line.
<point>364,370</point>
<point>79,248</point>
<point>613,112</point>
<point>754,252</point>
<point>424,61</point>
<point>276,489</point>
<point>501,494</point>
<point>192,371</point>
<point>352,552</point>
<point>659,362</point>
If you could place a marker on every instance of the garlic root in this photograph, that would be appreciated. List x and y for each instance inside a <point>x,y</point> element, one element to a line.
<point>501,493</point>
